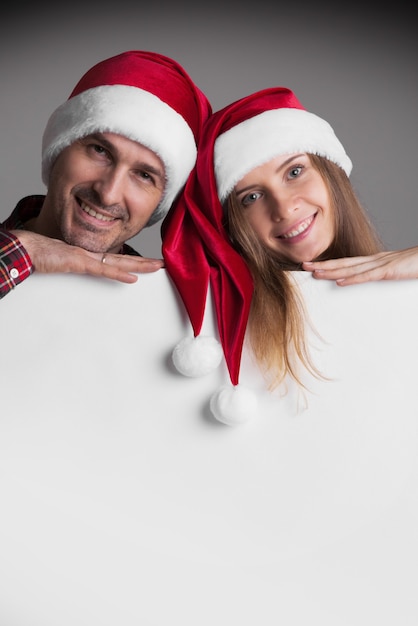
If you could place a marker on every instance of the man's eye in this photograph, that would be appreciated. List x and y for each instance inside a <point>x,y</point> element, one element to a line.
<point>96,149</point>
<point>145,176</point>
<point>99,149</point>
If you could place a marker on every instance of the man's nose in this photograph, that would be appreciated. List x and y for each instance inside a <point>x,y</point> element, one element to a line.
<point>110,186</point>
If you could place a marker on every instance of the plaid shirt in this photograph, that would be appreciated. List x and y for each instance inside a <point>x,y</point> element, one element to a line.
<point>15,262</point>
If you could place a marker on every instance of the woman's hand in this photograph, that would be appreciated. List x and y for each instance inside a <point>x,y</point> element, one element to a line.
<point>396,265</point>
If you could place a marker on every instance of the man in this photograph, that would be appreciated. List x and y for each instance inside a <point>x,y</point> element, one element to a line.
<point>114,157</point>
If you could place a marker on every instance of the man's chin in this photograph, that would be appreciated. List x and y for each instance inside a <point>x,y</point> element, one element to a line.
<point>90,243</point>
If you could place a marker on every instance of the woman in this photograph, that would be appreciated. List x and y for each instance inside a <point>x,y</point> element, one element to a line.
<point>272,179</point>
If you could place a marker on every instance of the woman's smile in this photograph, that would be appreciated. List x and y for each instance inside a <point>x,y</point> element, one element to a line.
<point>299,231</point>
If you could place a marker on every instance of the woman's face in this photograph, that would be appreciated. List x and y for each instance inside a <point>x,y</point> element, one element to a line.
<point>287,204</point>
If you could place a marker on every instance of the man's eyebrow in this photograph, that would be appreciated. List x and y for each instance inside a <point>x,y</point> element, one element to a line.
<point>141,164</point>
<point>99,137</point>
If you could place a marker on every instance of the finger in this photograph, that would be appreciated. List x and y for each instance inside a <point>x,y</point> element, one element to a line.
<point>357,279</point>
<point>376,265</point>
<point>138,264</point>
<point>336,264</point>
<point>127,263</point>
<point>123,273</point>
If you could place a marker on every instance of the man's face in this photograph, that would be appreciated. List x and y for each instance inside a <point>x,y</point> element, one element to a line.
<point>102,191</point>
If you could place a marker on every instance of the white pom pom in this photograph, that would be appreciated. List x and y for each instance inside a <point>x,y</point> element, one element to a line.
<point>197,356</point>
<point>234,405</point>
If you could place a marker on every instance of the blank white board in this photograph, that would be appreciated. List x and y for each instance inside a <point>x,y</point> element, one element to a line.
<point>124,503</point>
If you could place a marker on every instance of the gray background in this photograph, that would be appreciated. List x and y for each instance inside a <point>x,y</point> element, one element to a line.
<point>354,68</point>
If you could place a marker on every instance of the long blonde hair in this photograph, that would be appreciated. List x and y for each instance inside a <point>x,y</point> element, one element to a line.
<point>278,318</point>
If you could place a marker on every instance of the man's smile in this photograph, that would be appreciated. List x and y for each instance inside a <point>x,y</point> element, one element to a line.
<point>93,213</point>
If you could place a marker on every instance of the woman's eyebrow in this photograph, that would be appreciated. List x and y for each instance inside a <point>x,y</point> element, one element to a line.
<point>281,166</point>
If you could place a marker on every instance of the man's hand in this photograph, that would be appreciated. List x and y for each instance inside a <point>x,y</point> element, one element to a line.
<point>396,265</point>
<point>54,256</point>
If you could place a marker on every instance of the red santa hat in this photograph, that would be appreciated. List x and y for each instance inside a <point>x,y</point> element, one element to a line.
<point>144,96</point>
<point>196,246</point>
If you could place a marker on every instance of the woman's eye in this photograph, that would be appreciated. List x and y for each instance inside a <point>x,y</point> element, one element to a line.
<point>250,198</point>
<point>295,171</point>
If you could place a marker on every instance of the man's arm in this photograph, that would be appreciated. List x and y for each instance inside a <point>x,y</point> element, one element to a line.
<point>15,262</point>
<point>22,252</point>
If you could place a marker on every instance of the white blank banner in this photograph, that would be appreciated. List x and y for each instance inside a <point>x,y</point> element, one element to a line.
<point>124,503</point>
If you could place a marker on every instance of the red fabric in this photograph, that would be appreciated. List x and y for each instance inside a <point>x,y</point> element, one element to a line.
<point>13,258</point>
<point>155,73</point>
<point>196,247</point>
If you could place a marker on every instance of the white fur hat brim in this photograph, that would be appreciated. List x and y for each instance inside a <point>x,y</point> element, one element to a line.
<point>267,135</point>
<point>134,113</point>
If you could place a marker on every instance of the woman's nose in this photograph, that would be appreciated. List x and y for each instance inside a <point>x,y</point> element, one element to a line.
<point>283,205</point>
